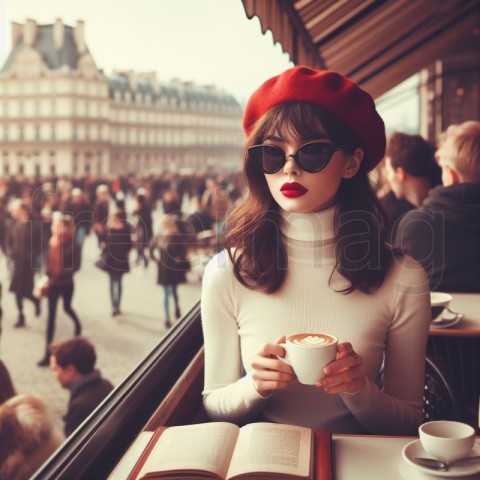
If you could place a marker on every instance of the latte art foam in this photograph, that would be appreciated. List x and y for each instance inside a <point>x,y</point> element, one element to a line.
<point>311,340</point>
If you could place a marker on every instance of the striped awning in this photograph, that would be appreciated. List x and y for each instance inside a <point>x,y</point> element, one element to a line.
<point>377,43</point>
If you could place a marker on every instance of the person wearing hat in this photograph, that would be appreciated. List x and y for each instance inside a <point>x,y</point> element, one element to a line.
<point>306,253</point>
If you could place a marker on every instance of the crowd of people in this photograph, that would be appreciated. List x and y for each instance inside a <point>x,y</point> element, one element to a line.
<point>44,223</point>
<point>43,227</point>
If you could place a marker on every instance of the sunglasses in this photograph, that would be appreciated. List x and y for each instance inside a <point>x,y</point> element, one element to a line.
<point>311,157</point>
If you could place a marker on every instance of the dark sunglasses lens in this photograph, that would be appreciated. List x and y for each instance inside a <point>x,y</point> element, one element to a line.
<point>266,158</point>
<point>315,156</point>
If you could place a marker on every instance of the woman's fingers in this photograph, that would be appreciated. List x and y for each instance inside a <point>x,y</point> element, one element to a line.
<point>350,380</point>
<point>268,372</point>
<point>346,373</point>
<point>271,350</point>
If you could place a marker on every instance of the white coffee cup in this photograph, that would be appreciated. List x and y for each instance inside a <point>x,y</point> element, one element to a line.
<point>308,354</point>
<point>446,440</point>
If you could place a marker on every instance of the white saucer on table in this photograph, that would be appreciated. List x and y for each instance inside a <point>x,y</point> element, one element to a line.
<point>447,319</point>
<point>415,449</point>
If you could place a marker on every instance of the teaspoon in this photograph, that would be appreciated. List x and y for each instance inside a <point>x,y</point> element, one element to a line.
<point>441,465</point>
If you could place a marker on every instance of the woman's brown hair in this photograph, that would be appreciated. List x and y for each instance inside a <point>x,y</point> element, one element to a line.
<point>252,237</point>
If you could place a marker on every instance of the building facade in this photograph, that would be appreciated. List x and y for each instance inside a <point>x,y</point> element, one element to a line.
<point>61,115</point>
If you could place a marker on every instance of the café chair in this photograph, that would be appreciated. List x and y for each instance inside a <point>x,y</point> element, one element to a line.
<point>439,399</point>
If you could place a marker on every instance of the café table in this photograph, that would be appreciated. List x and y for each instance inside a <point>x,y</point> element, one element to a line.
<point>456,350</point>
<point>358,457</point>
<point>354,457</point>
<point>468,304</point>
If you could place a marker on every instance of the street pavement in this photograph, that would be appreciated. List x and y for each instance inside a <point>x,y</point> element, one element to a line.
<point>121,342</point>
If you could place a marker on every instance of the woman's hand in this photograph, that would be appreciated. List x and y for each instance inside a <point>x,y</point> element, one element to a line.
<point>346,374</point>
<point>268,372</point>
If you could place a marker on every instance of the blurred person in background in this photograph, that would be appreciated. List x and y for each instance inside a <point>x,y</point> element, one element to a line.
<point>444,233</point>
<point>143,226</point>
<point>81,213</point>
<point>411,172</point>
<point>216,201</point>
<point>100,211</point>
<point>199,219</point>
<point>63,261</point>
<point>116,250</point>
<point>28,436</point>
<point>73,364</point>
<point>170,252</point>
<point>23,245</point>
<point>171,202</point>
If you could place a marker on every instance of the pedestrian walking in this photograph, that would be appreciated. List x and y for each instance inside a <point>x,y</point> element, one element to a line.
<point>24,244</point>
<point>82,214</point>
<point>63,261</point>
<point>115,256</point>
<point>100,211</point>
<point>143,226</point>
<point>170,252</point>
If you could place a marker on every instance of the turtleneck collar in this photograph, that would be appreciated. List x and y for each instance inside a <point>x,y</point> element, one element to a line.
<point>311,226</point>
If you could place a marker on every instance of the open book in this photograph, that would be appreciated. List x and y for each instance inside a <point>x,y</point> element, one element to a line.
<point>220,450</point>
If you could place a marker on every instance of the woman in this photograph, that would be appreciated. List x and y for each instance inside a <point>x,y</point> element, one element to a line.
<point>305,252</point>
<point>62,263</point>
<point>172,261</point>
<point>118,243</point>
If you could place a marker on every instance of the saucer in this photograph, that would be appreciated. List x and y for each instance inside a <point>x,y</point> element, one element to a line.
<point>447,319</point>
<point>415,449</point>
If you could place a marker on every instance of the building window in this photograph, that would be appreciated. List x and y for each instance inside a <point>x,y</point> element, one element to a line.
<point>21,132</point>
<point>75,163</point>
<point>37,132</point>
<point>52,158</point>
<point>53,133</point>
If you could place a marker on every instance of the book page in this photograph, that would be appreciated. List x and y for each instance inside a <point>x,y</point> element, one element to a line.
<point>206,446</point>
<point>270,447</point>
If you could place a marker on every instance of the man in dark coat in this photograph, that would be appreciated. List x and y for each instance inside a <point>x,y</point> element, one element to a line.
<point>443,235</point>
<point>24,241</point>
<point>72,362</point>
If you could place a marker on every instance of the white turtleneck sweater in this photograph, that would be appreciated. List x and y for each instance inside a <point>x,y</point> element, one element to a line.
<point>392,322</point>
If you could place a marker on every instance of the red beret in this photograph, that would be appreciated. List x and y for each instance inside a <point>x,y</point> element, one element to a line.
<point>330,90</point>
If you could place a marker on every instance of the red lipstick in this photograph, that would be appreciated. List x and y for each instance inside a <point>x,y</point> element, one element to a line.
<point>293,190</point>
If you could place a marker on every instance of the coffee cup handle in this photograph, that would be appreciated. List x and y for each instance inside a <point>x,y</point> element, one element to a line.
<point>286,358</point>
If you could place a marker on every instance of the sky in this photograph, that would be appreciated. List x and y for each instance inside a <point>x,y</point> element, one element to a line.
<point>207,41</point>
<point>210,42</point>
